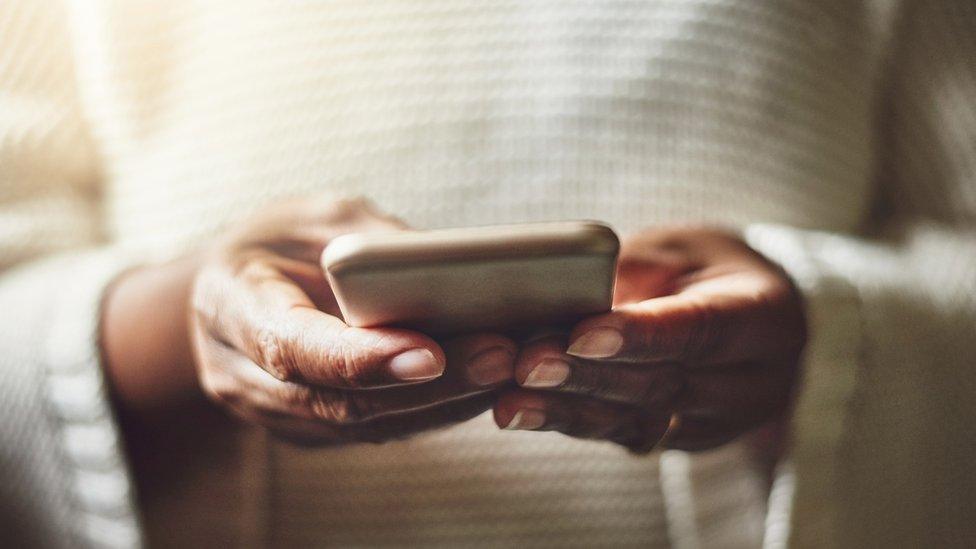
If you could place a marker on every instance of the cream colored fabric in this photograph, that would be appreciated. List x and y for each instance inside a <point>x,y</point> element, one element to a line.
<point>839,136</point>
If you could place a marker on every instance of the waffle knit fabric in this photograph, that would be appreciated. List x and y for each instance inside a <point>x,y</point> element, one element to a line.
<point>838,136</point>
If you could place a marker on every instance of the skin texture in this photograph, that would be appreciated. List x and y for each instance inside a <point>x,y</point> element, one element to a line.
<point>702,343</point>
<point>268,343</point>
<point>705,337</point>
<point>272,348</point>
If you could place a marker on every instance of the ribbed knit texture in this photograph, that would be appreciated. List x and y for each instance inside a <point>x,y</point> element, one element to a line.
<point>839,136</point>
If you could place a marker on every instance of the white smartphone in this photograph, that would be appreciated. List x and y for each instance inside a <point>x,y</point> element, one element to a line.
<point>448,281</point>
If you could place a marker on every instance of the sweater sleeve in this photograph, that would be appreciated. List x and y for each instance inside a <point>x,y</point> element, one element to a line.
<point>63,477</point>
<point>883,437</point>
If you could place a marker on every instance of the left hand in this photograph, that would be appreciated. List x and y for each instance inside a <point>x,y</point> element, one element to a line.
<point>703,343</point>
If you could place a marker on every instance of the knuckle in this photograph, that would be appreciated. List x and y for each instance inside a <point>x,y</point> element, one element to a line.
<point>659,387</point>
<point>272,353</point>
<point>338,408</point>
<point>597,381</point>
<point>354,365</point>
<point>349,204</point>
<point>351,369</point>
<point>705,328</point>
<point>638,386</point>
<point>253,269</point>
<point>298,401</point>
<point>344,209</point>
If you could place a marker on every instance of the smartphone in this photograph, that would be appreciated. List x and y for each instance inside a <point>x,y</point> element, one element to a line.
<point>497,278</point>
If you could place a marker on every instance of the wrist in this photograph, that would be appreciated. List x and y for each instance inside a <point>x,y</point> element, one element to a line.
<point>145,341</point>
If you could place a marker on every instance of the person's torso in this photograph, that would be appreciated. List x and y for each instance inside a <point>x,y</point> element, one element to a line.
<point>451,113</point>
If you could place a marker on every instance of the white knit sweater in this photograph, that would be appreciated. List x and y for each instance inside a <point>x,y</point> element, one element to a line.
<point>840,136</point>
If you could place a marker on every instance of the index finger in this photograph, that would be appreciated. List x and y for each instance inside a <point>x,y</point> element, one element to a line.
<point>737,319</point>
<point>541,365</point>
<point>267,317</point>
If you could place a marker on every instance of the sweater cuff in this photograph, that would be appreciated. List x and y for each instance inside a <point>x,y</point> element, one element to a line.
<point>100,490</point>
<point>802,510</point>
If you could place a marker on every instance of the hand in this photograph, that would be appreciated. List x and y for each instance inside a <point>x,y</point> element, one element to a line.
<point>271,345</point>
<point>703,344</point>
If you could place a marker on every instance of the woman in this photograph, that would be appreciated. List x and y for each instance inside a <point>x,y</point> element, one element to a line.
<point>151,257</point>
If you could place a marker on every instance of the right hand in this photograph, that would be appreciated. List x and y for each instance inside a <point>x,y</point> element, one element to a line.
<point>271,346</point>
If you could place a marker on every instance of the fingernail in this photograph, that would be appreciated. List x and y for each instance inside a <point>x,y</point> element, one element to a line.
<point>526,419</point>
<point>551,372</point>
<point>597,343</point>
<point>415,365</point>
<point>491,366</point>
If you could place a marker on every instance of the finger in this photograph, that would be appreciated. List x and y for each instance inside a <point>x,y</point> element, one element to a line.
<point>236,380</point>
<point>403,426</point>
<point>292,236</point>
<point>484,360</point>
<point>313,434</point>
<point>299,229</point>
<point>263,314</point>
<point>741,317</point>
<point>579,417</point>
<point>310,278</point>
<point>644,273</point>
<point>543,365</point>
